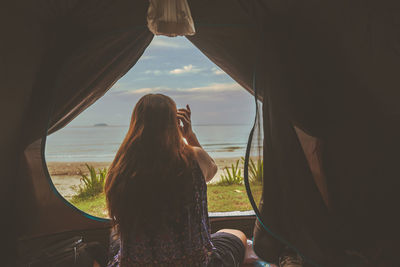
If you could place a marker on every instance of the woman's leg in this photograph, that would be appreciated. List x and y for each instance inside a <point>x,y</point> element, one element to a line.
<point>237,233</point>
<point>230,247</point>
<point>249,255</point>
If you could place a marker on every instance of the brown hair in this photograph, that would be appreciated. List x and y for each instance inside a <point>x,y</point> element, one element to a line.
<point>147,184</point>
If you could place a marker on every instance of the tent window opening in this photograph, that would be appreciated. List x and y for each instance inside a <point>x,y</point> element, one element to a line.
<point>79,155</point>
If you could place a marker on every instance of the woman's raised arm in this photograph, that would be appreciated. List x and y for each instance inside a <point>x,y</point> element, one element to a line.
<point>207,164</point>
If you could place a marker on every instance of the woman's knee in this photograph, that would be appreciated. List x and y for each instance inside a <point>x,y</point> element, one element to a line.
<point>237,233</point>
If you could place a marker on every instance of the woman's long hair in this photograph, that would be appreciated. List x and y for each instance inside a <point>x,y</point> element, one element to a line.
<point>148,182</point>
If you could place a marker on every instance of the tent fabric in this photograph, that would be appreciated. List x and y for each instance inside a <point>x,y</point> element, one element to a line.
<point>90,55</point>
<point>328,69</point>
<point>216,30</point>
<point>319,72</point>
<point>291,203</point>
<point>89,61</point>
<point>170,18</point>
<point>331,71</point>
<point>76,50</point>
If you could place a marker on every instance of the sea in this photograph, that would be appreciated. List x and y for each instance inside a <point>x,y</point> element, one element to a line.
<point>100,143</point>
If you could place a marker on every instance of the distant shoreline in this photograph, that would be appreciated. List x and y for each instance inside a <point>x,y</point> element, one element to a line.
<point>70,168</point>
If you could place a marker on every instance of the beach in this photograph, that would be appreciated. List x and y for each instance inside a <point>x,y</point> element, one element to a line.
<point>69,149</point>
<point>65,175</point>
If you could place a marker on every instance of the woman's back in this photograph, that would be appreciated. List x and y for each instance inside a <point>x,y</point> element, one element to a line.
<point>157,195</point>
<point>184,241</point>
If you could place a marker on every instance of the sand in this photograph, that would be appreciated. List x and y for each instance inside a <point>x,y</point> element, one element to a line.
<point>66,178</point>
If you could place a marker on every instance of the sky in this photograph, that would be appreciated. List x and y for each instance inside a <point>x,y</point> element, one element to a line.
<point>174,67</point>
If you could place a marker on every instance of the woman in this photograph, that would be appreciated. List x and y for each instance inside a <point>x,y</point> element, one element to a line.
<point>157,195</point>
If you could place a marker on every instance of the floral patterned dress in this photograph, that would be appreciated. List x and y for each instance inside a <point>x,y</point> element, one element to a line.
<point>189,245</point>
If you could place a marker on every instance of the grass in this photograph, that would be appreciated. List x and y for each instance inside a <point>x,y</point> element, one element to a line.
<point>92,185</point>
<point>94,205</point>
<point>231,197</point>
<point>220,198</point>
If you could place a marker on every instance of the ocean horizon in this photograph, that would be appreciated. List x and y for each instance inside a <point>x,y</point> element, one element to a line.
<point>84,143</point>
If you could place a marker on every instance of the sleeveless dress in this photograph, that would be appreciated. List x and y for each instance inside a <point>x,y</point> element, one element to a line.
<point>188,245</point>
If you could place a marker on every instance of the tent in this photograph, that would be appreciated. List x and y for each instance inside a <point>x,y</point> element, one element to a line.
<point>326,71</point>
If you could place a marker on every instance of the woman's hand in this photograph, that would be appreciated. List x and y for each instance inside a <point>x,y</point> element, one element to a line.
<point>206,163</point>
<point>183,116</point>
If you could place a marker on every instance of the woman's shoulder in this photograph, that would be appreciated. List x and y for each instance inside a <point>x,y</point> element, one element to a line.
<point>199,153</point>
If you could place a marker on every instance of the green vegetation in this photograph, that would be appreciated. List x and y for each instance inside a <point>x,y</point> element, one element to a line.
<point>231,176</point>
<point>256,171</point>
<point>231,197</point>
<point>93,205</point>
<point>220,198</point>
<point>228,194</point>
<point>92,185</point>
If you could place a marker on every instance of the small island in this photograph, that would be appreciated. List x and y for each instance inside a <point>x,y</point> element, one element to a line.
<point>100,125</point>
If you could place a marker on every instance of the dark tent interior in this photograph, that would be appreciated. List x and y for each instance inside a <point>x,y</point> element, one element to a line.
<point>327,73</point>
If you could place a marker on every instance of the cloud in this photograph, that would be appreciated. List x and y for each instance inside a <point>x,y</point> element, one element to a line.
<point>211,88</point>
<point>217,71</point>
<point>154,72</point>
<point>146,57</point>
<point>216,87</point>
<point>186,69</point>
<point>147,90</point>
<point>167,43</point>
<point>222,103</point>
